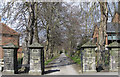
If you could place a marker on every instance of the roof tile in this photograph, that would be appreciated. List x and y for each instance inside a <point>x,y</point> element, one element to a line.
<point>7,30</point>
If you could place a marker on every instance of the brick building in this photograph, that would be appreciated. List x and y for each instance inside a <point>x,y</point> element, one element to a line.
<point>112,43</point>
<point>113,30</point>
<point>7,35</point>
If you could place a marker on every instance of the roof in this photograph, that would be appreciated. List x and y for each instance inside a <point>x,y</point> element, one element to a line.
<point>7,30</point>
<point>111,27</point>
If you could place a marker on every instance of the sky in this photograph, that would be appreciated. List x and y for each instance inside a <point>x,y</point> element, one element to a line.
<point>61,0</point>
<point>68,1</point>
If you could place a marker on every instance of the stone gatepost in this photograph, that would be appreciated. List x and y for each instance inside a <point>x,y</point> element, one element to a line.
<point>10,58</point>
<point>89,60</point>
<point>114,49</point>
<point>36,59</point>
<point>88,57</point>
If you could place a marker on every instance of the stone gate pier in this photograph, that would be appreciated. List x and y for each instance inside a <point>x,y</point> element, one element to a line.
<point>88,57</point>
<point>10,58</point>
<point>114,49</point>
<point>36,59</point>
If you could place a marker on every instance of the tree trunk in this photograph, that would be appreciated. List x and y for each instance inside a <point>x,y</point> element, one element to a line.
<point>36,39</point>
<point>102,33</point>
<point>47,44</point>
<point>29,36</point>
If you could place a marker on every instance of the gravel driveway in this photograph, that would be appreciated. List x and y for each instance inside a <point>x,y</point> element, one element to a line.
<point>64,66</point>
<point>61,66</point>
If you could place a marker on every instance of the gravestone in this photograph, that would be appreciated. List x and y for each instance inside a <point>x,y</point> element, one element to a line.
<point>36,59</point>
<point>10,58</point>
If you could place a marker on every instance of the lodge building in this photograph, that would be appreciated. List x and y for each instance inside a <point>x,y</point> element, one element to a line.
<point>112,42</point>
<point>7,35</point>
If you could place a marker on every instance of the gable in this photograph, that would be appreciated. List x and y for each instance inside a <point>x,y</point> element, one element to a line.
<point>116,17</point>
<point>95,32</point>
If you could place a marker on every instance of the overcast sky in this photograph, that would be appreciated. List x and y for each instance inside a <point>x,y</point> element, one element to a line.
<point>61,0</point>
<point>68,1</point>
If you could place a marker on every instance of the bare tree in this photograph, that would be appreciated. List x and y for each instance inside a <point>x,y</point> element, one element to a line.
<point>102,33</point>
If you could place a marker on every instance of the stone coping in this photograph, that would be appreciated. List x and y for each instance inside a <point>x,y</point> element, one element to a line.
<point>35,46</point>
<point>10,46</point>
<point>89,44</point>
<point>114,44</point>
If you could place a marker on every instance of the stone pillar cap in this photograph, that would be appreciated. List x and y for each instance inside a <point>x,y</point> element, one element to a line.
<point>35,45</point>
<point>10,45</point>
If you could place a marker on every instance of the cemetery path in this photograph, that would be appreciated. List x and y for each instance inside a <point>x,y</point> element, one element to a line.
<point>62,66</point>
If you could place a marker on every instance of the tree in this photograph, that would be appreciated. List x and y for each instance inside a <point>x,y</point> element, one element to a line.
<point>102,33</point>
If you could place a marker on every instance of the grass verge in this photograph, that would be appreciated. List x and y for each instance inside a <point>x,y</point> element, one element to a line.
<point>48,61</point>
<point>76,59</point>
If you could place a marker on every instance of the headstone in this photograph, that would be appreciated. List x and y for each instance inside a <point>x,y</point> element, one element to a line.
<point>10,58</point>
<point>35,59</point>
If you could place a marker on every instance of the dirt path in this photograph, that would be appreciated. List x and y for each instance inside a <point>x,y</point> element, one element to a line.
<point>62,66</point>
